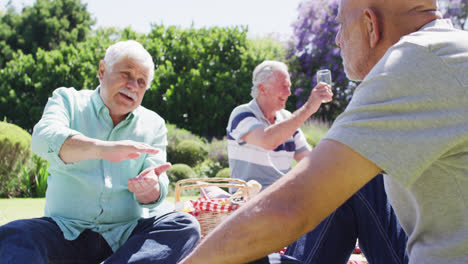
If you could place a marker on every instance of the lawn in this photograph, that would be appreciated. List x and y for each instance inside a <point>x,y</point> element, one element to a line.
<point>20,208</point>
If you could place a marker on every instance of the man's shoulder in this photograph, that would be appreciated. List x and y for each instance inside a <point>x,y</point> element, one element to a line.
<point>148,115</point>
<point>435,37</point>
<point>242,109</point>
<point>72,95</point>
<point>72,91</point>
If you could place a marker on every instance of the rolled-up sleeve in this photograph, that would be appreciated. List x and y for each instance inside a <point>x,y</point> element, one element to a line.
<point>53,129</point>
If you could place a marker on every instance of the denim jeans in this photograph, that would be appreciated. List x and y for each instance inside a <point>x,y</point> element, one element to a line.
<point>163,239</point>
<point>366,216</point>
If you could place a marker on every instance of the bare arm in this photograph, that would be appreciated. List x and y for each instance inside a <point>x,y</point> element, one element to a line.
<point>271,137</point>
<point>301,155</point>
<point>291,207</point>
<point>78,148</point>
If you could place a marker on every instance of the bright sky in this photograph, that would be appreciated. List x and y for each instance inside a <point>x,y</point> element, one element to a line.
<point>263,17</point>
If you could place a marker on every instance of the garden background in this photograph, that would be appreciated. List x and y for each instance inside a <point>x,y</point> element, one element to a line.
<point>200,76</point>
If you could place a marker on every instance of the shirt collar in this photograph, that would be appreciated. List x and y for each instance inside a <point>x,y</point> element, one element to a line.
<point>258,112</point>
<point>440,23</point>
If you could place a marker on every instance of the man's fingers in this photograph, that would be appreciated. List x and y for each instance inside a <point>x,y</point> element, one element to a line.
<point>141,184</point>
<point>133,155</point>
<point>147,149</point>
<point>146,172</point>
<point>161,169</point>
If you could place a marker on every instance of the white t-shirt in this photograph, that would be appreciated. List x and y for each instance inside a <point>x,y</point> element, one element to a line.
<point>410,117</point>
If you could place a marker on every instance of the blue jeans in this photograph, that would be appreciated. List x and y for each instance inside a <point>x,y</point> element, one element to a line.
<point>366,216</point>
<point>163,239</point>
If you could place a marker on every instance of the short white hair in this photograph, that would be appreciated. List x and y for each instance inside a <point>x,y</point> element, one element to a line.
<point>264,72</point>
<point>130,49</point>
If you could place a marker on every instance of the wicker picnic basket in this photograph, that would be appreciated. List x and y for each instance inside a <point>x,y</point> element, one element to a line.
<point>210,212</point>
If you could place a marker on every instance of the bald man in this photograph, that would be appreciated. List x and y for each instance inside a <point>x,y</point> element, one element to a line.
<point>408,119</point>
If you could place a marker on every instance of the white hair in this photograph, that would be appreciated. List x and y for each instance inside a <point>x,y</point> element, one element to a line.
<point>130,49</point>
<point>264,72</point>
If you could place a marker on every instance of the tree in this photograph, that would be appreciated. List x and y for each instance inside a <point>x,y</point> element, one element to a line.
<point>457,11</point>
<point>44,25</point>
<point>202,74</point>
<point>313,48</point>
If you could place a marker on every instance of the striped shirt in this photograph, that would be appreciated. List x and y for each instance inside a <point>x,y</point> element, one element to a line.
<point>251,162</point>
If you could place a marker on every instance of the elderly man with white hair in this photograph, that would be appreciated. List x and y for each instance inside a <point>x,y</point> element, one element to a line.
<point>263,137</point>
<point>263,141</point>
<point>107,162</point>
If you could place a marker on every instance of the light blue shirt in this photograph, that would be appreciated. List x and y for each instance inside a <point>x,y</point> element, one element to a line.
<point>93,194</point>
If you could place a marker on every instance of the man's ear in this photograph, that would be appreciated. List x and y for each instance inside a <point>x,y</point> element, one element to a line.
<point>372,26</point>
<point>102,69</point>
<point>261,88</point>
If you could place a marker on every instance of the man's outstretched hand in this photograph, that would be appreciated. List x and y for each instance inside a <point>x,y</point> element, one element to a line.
<point>117,151</point>
<point>78,148</point>
<point>146,185</point>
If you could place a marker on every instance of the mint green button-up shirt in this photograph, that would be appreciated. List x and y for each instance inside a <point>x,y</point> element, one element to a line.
<point>93,194</point>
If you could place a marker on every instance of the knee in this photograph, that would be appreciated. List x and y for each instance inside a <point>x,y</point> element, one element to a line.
<point>13,230</point>
<point>13,237</point>
<point>188,223</point>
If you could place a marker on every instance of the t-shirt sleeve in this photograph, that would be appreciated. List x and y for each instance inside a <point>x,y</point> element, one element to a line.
<point>301,142</point>
<point>406,114</point>
<point>241,124</point>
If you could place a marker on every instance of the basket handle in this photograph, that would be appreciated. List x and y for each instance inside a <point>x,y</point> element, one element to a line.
<point>207,182</point>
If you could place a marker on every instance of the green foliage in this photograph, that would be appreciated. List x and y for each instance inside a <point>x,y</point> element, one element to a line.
<point>179,172</point>
<point>207,165</point>
<point>207,168</point>
<point>176,135</point>
<point>44,25</point>
<point>35,178</point>
<point>202,74</point>
<point>14,152</point>
<point>224,173</point>
<point>28,81</point>
<point>41,182</point>
<point>189,152</point>
<point>217,152</point>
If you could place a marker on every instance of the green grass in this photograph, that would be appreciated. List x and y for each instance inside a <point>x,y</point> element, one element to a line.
<point>314,130</point>
<point>21,208</point>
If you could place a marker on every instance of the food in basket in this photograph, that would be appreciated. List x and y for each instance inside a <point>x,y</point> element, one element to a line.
<point>213,205</point>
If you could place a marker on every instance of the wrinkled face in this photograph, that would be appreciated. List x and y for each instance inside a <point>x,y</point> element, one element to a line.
<point>352,40</point>
<point>122,87</point>
<point>277,90</point>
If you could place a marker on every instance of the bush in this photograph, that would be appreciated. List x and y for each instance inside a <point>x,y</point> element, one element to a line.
<point>176,135</point>
<point>223,173</point>
<point>189,152</point>
<point>202,74</point>
<point>217,152</point>
<point>179,172</point>
<point>208,168</point>
<point>14,152</point>
<point>35,177</point>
